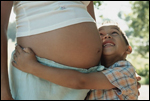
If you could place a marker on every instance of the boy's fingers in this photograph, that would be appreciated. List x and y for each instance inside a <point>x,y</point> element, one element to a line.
<point>17,53</point>
<point>138,93</point>
<point>14,63</point>
<point>138,78</point>
<point>138,85</point>
<point>14,56</point>
<point>28,50</point>
<point>19,49</point>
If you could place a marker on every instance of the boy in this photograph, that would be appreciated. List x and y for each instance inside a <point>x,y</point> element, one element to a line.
<point>116,81</point>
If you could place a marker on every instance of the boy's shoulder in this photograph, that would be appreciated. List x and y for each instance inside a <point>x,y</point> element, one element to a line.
<point>122,63</point>
<point>123,66</point>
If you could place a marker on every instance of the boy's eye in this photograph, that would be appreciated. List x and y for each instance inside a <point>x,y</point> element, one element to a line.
<point>101,33</point>
<point>114,33</point>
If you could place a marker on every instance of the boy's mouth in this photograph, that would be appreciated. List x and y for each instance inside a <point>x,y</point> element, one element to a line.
<point>108,43</point>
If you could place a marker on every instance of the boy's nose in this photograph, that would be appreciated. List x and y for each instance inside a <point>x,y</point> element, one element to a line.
<point>107,36</point>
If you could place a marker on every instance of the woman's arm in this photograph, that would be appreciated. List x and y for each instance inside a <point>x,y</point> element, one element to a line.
<point>90,9</point>
<point>26,61</point>
<point>6,7</point>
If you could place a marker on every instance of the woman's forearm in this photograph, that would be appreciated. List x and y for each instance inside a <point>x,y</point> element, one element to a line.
<point>5,91</point>
<point>6,7</point>
<point>90,9</point>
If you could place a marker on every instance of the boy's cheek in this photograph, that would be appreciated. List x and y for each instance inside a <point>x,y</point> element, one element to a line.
<point>101,37</point>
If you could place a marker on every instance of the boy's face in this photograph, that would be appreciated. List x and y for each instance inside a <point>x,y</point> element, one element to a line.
<point>113,42</point>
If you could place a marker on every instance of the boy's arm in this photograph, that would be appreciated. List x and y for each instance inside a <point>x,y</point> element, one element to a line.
<point>27,62</point>
<point>71,78</point>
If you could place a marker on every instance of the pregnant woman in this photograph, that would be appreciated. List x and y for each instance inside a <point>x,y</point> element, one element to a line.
<point>63,34</point>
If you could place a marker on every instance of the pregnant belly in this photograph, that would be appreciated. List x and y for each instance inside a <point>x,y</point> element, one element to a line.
<point>77,45</point>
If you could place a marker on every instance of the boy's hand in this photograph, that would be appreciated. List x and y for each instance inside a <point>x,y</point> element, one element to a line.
<point>24,59</point>
<point>138,84</point>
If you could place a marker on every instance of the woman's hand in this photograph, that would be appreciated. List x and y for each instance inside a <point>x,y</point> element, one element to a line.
<point>24,59</point>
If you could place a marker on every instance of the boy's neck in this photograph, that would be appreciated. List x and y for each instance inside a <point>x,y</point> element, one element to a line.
<point>108,61</point>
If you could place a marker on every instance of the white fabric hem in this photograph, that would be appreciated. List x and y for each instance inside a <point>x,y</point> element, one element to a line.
<point>56,26</point>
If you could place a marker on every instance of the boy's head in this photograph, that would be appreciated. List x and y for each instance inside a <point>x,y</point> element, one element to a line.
<point>115,42</point>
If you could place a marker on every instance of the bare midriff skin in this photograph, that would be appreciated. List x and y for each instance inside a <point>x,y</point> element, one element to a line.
<point>78,45</point>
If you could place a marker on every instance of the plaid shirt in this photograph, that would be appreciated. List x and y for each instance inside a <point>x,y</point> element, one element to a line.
<point>122,75</point>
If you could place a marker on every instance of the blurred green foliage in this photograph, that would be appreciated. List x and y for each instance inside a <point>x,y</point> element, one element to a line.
<point>138,22</point>
<point>143,71</point>
<point>97,3</point>
<point>140,18</point>
<point>138,34</point>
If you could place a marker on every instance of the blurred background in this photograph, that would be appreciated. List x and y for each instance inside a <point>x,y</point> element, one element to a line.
<point>133,17</point>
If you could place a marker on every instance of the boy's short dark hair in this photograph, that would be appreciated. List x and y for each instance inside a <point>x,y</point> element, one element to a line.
<point>106,23</point>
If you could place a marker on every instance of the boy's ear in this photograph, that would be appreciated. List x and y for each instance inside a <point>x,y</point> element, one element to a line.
<point>129,50</point>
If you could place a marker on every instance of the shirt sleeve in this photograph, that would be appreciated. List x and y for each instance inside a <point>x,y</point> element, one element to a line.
<point>123,78</point>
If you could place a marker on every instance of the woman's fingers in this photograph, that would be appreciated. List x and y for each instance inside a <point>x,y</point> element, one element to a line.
<point>19,49</point>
